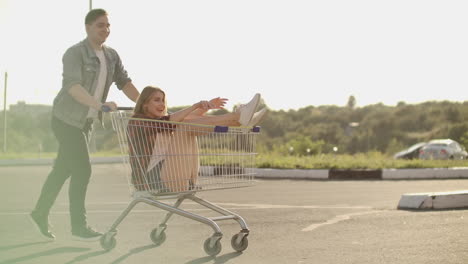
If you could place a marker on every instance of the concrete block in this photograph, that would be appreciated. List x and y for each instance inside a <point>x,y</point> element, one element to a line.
<point>435,200</point>
<point>414,174</point>
<point>291,174</point>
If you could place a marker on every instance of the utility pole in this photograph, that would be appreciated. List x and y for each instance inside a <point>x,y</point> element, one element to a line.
<point>90,4</point>
<point>5,114</point>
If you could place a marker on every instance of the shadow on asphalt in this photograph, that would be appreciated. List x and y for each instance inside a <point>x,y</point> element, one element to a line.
<point>132,252</point>
<point>54,251</point>
<point>216,260</point>
<point>4,248</point>
<point>86,256</point>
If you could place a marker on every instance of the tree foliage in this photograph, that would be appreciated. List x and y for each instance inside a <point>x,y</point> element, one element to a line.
<point>377,127</point>
<point>305,131</point>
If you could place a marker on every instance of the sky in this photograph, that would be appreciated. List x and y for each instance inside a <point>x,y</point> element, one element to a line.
<point>295,53</point>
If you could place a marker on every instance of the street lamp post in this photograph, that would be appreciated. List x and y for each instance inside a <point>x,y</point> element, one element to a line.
<point>5,114</point>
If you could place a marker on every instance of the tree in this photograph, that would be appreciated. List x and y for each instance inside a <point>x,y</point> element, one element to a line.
<point>351,102</point>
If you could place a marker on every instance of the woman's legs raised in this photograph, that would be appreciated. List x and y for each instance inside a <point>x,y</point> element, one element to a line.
<point>181,164</point>
<point>230,119</point>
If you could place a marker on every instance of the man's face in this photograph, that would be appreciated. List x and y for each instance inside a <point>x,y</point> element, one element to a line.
<point>99,30</point>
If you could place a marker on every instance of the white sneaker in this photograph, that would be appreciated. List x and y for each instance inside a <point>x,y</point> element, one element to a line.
<point>257,117</point>
<point>248,110</point>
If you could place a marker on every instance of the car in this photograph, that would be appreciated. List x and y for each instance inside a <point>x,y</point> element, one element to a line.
<point>442,149</point>
<point>411,152</point>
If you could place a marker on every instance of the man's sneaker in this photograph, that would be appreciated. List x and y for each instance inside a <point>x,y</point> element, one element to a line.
<point>257,117</point>
<point>42,225</point>
<point>86,234</point>
<point>247,110</point>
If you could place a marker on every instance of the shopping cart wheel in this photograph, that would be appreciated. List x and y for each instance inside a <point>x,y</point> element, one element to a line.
<point>157,239</point>
<point>212,250</point>
<point>239,244</point>
<point>108,241</point>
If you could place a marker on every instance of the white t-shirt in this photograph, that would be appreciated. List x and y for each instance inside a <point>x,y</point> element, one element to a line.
<point>100,84</point>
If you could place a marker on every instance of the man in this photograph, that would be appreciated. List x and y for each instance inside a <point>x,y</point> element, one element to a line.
<point>89,69</point>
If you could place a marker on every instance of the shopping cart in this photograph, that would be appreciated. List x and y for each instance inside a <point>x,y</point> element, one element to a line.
<point>173,161</point>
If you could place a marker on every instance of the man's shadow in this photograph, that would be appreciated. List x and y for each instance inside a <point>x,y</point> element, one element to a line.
<point>86,256</point>
<point>49,252</point>
<point>5,248</point>
<point>133,252</point>
<point>216,260</point>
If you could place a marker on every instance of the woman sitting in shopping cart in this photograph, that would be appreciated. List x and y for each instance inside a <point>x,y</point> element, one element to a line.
<point>164,154</point>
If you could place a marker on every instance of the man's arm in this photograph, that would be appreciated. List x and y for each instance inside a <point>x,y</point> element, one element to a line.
<point>131,91</point>
<point>83,97</point>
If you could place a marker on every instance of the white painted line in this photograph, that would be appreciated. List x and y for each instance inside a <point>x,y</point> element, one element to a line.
<point>230,206</point>
<point>336,219</point>
<point>257,206</point>
<point>274,206</point>
<point>152,211</point>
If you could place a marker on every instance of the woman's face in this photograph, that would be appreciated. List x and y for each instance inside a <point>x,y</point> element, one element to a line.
<point>156,106</point>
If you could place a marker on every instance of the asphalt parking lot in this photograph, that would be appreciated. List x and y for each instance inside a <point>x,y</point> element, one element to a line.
<point>291,221</point>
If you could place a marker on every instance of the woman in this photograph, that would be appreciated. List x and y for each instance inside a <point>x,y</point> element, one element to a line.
<point>165,158</point>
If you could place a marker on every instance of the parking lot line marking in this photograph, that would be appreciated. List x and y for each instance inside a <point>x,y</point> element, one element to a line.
<point>283,206</point>
<point>258,206</point>
<point>336,219</point>
<point>229,206</point>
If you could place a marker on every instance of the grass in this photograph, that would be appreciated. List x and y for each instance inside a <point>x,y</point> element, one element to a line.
<point>373,160</point>
<point>357,161</point>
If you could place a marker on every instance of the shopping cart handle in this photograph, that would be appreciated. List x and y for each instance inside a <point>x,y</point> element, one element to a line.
<point>105,108</point>
<point>125,108</point>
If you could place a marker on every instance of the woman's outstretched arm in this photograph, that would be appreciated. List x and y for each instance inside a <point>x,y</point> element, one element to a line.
<point>179,116</point>
<point>215,103</point>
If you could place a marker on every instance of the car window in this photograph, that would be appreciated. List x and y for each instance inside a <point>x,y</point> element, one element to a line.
<point>414,147</point>
<point>456,146</point>
<point>437,145</point>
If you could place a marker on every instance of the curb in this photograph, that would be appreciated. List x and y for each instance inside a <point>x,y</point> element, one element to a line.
<point>291,174</point>
<point>348,174</point>
<point>361,174</point>
<point>436,200</point>
<point>436,173</point>
<point>309,174</point>
<point>39,162</point>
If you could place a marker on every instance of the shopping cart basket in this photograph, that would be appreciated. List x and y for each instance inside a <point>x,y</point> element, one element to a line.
<point>173,161</point>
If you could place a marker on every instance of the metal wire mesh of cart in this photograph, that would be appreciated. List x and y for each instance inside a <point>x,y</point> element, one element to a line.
<point>164,157</point>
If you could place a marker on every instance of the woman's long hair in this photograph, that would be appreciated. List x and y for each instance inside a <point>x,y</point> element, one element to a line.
<point>145,96</point>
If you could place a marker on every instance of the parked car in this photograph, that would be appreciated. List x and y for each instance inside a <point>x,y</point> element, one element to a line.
<point>411,152</point>
<point>442,149</point>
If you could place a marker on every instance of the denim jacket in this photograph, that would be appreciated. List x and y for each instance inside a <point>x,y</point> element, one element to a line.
<point>82,66</point>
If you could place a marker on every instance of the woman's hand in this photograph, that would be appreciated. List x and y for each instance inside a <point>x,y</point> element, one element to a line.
<point>217,103</point>
<point>204,105</point>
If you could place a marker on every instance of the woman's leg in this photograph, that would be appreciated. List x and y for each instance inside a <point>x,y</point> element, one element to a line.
<point>181,164</point>
<point>194,162</point>
<point>231,119</point>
